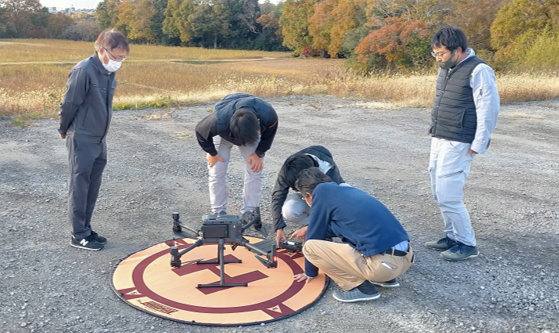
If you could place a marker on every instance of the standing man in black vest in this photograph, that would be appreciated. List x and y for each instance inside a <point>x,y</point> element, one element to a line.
<point>464,115</point>
<point>250,123</point>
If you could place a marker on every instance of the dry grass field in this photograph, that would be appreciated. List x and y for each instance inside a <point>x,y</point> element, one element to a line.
<point>33,74</point>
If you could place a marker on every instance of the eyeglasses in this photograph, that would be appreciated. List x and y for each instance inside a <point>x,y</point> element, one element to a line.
<point>439,54</point>
<point>119,59</point>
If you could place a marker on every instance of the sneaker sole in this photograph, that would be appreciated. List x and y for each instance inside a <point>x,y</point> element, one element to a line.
<point>83,247</point>
<point>380,284</point>
<point>369,298</point>
<point>468,257</point>
<point>437,248</point>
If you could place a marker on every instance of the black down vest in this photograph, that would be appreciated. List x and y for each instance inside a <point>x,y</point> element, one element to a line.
<point>454,111</point>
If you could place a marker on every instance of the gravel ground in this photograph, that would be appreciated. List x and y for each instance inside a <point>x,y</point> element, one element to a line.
<point>156,167</point>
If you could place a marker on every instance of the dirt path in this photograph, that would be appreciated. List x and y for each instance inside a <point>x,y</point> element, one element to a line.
<point>155,167</point>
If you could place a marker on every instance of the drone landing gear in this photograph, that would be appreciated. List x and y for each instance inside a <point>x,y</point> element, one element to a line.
<point>221,262</point>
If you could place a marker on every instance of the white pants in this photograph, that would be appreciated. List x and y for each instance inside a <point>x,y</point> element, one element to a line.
<point>449,167</point>
<point>219,188</point>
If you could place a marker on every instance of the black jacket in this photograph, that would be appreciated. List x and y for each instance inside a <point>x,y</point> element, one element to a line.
<point>281,188</point>
<point>217,123</point>
<point>88,103</point>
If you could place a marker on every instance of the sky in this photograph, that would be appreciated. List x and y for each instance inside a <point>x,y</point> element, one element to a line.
<point>81,4</point>
<point>78,4</point>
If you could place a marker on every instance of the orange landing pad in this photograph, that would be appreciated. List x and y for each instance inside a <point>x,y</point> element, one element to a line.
<point>146,281</point>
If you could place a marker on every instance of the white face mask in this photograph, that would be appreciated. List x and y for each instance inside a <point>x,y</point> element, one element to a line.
<point>112,66</point>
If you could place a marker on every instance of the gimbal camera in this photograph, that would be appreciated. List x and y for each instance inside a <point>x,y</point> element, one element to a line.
<point>221,230</point>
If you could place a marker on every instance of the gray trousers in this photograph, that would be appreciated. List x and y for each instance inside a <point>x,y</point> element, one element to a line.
<point>87,161</point>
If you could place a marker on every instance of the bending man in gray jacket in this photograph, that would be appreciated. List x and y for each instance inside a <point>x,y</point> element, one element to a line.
<point>85,116</point>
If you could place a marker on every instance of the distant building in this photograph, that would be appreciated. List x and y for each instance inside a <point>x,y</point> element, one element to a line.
<point>71,10</point>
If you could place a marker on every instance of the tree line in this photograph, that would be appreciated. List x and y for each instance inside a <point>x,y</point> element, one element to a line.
<point>396,34</point>
<point>373,35</point>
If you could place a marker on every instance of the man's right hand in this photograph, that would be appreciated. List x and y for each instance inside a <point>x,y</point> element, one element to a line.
<point>212,160</point>
<point>280,236</point>
<point>62,136</point>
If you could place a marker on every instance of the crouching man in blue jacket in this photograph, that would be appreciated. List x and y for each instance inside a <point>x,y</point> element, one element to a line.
<point>375,248</point>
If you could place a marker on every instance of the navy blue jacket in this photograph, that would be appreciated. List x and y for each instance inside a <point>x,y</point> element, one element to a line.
<point>355,217</point>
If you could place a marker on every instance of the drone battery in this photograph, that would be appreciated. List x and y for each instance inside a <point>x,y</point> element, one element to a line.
<point>215,230</point>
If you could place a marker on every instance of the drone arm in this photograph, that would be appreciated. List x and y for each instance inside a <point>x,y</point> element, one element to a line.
<point>199,242</point>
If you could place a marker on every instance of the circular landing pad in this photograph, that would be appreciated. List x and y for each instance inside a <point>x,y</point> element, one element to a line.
<point>146,281</point>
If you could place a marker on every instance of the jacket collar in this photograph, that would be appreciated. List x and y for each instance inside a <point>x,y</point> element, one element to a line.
<point>99,65</point>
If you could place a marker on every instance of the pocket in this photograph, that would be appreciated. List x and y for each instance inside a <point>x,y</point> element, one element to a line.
<point>389,265</point>
<point>448,175</point>
<point>85,115</point>
<point>98,86</point>
<point>459,146</point>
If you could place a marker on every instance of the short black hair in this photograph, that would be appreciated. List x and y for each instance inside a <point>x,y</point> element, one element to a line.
<point>245,126</point>
<point>309,179</point>
<point>451,38</point>
<point>295,164</point>
<point>111,39</point>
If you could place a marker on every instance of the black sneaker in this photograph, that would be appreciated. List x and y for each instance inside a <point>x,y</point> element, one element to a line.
<point>388,284</point>
<point>99,238</point>
<point>249,217</point>
<point>365,292</point>
<point>88,243</point>
<point>442,244</point>
<point>460,252</point>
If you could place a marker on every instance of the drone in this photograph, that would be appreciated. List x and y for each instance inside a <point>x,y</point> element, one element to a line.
<point>221,230</point>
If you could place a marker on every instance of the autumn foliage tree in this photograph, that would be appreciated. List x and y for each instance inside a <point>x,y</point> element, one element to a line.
<point>474,17</point>
<point>400,44</point>
<point>270,39</point>
<point>17,16</point>
<point>526,27</point>
<point>294,22</point>
<point>349,16</point>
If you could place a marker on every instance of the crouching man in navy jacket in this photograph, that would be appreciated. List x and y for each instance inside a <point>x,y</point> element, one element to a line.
<point>375,248</point>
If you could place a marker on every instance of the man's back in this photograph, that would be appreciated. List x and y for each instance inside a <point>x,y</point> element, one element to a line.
<point>356,217</point>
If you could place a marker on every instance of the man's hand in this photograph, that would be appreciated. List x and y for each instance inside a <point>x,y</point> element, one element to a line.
<point>280,236</point>
<point>256,163</point>
<point>470,152</point>
<point>62,136</point>
<point>302,277</point>
<point>300,234</point>
<point>212,160</point>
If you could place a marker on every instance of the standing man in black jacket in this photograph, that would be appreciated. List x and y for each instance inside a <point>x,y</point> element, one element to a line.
<point>293,207</point>
<point>251,124</point>
<point>85,116</point>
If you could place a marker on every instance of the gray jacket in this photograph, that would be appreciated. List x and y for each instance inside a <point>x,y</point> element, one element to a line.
<point>87,108</point>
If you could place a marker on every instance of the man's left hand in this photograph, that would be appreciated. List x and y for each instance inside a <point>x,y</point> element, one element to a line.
<point>300,233</point>
<point>470,152</point>
<point>256,163</point>
<point>302,277</point>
